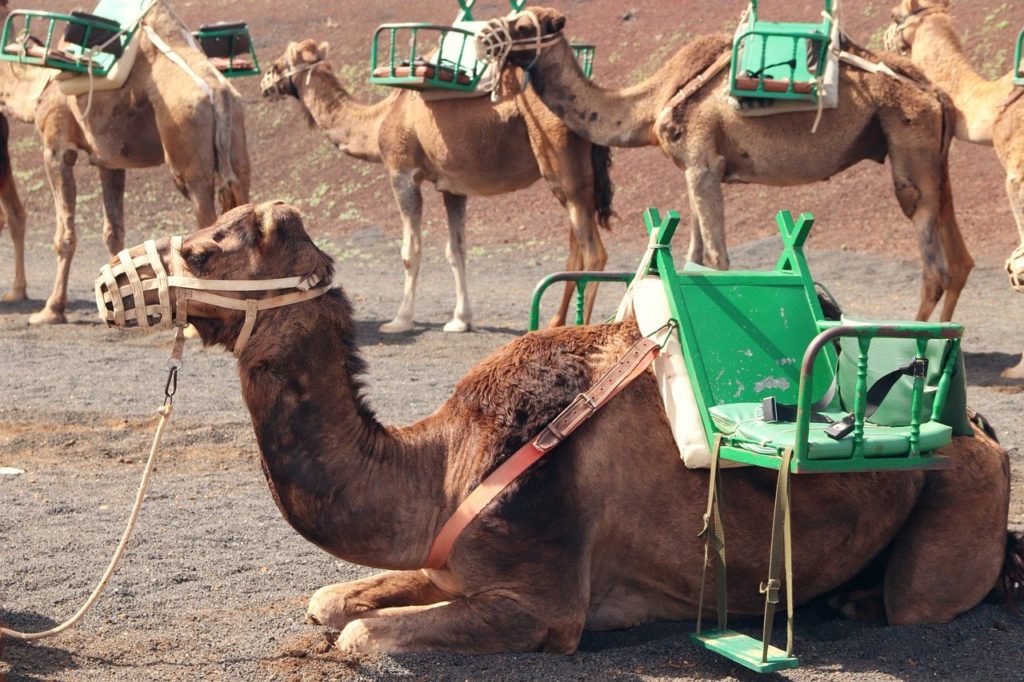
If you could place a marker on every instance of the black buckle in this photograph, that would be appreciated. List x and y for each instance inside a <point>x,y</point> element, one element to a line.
<point>918,368</point>
<point>770,410</point>
<point>838,430</point>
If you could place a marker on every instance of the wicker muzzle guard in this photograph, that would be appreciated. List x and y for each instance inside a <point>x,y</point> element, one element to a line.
<point>121,293</point>
<point>1015,268</point>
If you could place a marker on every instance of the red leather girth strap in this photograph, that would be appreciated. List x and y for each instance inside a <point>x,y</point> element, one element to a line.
<point>571,418</point>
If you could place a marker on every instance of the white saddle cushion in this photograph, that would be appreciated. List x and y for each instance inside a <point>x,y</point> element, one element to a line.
<point>79,84</point>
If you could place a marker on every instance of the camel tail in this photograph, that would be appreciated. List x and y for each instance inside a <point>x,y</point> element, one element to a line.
<point>229,187</point>
<point>1012,577</point>
<point>604,190</point>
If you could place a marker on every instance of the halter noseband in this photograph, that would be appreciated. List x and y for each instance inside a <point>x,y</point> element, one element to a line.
<point>494,42</point>
<point>271,78</point>
<point>893,39</point>
<point>111,305</point>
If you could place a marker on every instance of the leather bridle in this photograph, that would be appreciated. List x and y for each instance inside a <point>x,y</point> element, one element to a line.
<point>270,79</point>
<point>894,40</point>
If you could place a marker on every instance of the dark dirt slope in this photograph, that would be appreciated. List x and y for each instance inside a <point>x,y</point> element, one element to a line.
<point>856,209</point>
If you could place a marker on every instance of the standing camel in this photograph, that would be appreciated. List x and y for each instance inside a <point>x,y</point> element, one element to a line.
<point>987,112</point>
<point>465,147</point>
<point>602,534</point>
<point>13,215</point>
<point>877,116</point>
<point>160,115</point>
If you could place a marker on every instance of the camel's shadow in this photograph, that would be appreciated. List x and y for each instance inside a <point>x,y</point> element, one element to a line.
<point>32,661</point>
<point>985,369</point>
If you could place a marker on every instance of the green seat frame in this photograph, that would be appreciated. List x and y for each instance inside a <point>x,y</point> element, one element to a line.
<point>453,64</point>
<point>236,35</point>
<point>749,335</point>
<point>770,59</point>
<point>77,59</point>
<point>1018,60</point>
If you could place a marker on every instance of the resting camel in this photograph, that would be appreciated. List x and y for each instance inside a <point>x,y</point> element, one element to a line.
<point>877,116</point>
<point>160,115</point>
<point>601,534</point>
<point>465,147</point>
<point>13,215</point>
<point>987,112</point>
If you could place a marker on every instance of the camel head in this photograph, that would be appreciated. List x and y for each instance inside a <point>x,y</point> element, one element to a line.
<point>520,37</point>
<point>253,258</point>
<point>298,60</point>
<point>906,18</point>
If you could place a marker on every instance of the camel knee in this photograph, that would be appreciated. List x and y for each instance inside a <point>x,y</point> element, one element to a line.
<point>113,237</point>
<point>65,244</point>
<point>334,607</point>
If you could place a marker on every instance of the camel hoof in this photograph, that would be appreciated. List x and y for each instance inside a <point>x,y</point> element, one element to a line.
<point>556,322</point>
<point>47,316</point>
<point>1015,372</point>
<point>457,326</point>
<point>15,295</point>
<point>191,332</point>
<point>396,326</point>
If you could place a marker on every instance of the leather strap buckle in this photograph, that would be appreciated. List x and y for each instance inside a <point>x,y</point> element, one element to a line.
<point>771,590</point>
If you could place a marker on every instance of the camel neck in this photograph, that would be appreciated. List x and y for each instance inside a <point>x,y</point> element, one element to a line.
<point>624,117</point>
<point>363,492</point>
<point>352,126</point>
<point>938,52</point>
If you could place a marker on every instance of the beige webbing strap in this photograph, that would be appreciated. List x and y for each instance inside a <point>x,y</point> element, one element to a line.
<point>138,295</point>
<point>163,290</point>
<point>251,309</point>
<point>780,552</point>
<point>713,533</point>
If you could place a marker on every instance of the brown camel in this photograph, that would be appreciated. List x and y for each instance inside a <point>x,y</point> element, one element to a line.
<point>602,534</point>
<point>877,116</point>
<point>465,147</point>
<point>160,115</point>
<point>13,215</point>
<point>987,112</point>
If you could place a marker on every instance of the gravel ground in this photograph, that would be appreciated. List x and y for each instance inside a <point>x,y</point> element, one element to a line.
<point>215,582</point>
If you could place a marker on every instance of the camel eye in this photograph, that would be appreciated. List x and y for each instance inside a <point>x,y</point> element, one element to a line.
<point>197,261</point>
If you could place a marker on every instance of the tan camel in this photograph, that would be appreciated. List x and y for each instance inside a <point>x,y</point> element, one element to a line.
<point>13,215</point>
<point>987,112</point>
<point>602,534</point>
<point>160,115</point>
<point>465,147</point>
<point>877,116</point>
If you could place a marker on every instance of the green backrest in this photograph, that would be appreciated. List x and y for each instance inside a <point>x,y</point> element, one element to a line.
<point>744,333</point>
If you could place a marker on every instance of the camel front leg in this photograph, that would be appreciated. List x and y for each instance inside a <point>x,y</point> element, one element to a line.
<point>14,213</point>
<point>112,182</point>
<point>59,167</point>
<point>410,204</point>
<point>1015,192</point>
<point>695,254</point>
<point>573,263</point>
<point>455,251</point>
<point>339,604</point>
<point>479,624</point>
<point>704,187</point>
<point>588,237</point>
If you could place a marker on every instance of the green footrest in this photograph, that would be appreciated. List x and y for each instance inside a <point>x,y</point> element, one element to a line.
<point>744,650</point>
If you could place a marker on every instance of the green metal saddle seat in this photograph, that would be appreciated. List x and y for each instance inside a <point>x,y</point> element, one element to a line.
<point>90,42</point>
<point>229,47</point>
<point>745,423</point>
<point>779,60</point>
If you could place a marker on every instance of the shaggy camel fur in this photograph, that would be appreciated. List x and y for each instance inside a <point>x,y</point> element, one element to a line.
<point>465,147</point>
<point>159,116</point>
<point>13,215</point>
<point>878,116</point>
<point>986,111</point>
<point>601,534</point>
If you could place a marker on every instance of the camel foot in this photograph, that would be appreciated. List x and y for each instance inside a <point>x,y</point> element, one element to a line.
<point>16,294</point>
<point>1015,372</point>
<point>355,639</point>
<point>556,321</point>
<point>457,326</point>
<point>396,326</point>
<point>191,332</point>
<point>327,606</point>
<point>47,316</point>
<point>866,606</point>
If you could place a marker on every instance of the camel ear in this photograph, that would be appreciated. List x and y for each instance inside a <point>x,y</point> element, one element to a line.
<point>322,50</point>
<point>291,53</point>
<point>282,227</point>
<point>555,24</point>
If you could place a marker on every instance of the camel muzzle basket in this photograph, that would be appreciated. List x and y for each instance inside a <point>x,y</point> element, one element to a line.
<point>122,292</point>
